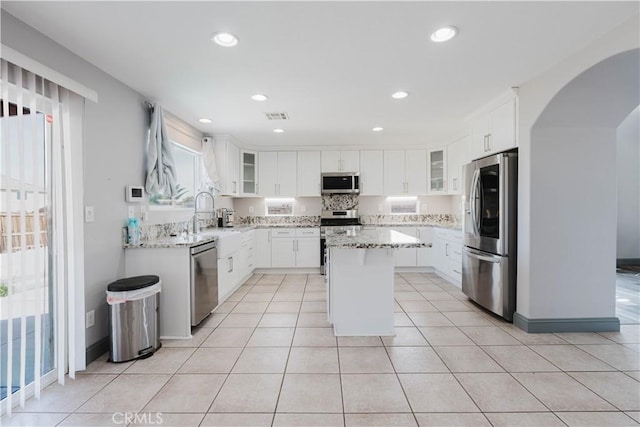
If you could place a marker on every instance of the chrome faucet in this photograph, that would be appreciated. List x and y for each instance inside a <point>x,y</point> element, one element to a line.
<point>196,225</point>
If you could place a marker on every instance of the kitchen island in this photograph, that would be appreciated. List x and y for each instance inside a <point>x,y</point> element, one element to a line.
<point>360,280</point>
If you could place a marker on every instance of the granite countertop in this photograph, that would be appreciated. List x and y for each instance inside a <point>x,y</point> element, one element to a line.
<point>284,226</point>
<point>205,236</point>
<point>450,226</point>
<point>374,238</point>
<point>173,242</point>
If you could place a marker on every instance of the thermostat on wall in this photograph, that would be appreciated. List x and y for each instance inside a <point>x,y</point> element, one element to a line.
<point>134,193</point>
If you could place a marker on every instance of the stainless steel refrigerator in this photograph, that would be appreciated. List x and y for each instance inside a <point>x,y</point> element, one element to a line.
<point>490,232</point>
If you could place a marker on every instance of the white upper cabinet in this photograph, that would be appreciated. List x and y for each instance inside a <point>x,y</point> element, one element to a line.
<point>268,173</point>
<point>350,161</point>
<point>405,172</point>
<point>494,128</point>
<point>287,174</point>
<point>371,176</point>
<point>228,162</point>
<point>416,171</point>
<point>248,173</point>
<point>502,127</point>
<point>308,173</point>
<point>331,161</point>
<point>394,182</point>
<point>277,173</point>
<point>437,171</point>
<point>340,161</point>
<point>456,155</point>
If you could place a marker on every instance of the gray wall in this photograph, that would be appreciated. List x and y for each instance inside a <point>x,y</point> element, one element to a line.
<point>114,137</point>
<point>628,172</point>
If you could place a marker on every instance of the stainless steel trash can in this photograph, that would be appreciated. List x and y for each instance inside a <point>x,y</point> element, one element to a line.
<point>134,308</point>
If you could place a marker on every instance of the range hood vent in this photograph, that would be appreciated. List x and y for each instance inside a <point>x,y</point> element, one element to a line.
<point>277,116</point>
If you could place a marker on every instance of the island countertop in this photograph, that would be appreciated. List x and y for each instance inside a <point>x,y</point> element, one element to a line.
<point>374,238</point>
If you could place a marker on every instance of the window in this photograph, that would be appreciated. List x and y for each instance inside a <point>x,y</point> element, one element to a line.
<point>404,205</point>
<point>188,176</point>
<point>278,207</point>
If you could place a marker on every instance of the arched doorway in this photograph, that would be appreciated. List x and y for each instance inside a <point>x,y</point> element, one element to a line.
<point>571,183</point>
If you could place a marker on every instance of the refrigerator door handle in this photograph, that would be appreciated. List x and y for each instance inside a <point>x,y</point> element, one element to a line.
<point>473,201</point>
<point>482,257</point>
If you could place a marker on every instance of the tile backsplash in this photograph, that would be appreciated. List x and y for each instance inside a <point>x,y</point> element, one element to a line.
<point>449,220</point>
<point>339,202</point>
<point>298,220</point>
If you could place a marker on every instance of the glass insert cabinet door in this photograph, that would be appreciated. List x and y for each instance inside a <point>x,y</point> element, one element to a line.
<point>436,171</point>
<point>249,169</point>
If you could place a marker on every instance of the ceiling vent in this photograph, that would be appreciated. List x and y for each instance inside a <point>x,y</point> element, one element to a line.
<point>277,116</point>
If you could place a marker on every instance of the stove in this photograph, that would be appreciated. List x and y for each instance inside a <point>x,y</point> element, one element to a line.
<point>344,222</point>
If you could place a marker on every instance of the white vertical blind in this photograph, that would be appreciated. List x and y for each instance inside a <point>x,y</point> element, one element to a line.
<point>40,246</point>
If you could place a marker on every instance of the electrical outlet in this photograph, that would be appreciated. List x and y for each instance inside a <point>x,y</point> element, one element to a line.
<point>88,214</point>
<point>250,209</point>
<point>131,211</point>
<point>303,208</point>
<point>380,207</point>
<point>90,319</point>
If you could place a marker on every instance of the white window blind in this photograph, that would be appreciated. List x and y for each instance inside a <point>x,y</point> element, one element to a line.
<point>183,134</point>
<point>42,275</point>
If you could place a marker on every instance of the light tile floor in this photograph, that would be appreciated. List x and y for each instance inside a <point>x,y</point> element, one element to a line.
<point>268,356</point>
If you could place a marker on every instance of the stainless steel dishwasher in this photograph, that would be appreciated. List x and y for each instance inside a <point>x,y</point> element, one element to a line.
<point>204,281</point>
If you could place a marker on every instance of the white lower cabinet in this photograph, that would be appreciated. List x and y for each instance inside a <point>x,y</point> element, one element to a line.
<point>425,257</point>
<point>283,253</point>
<point>236,261</point>
<point>225,276</point>
<point>294,247</point>
<point>263,248</point>
<point>173,266</point>
<point>406,257</point>
<point>308,252</point>
<point>448,256</point>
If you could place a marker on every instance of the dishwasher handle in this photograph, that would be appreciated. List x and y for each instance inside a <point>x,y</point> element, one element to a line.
<point>195,250</point>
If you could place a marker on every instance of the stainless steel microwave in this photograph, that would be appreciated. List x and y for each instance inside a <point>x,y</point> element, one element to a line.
<point>340,183</point>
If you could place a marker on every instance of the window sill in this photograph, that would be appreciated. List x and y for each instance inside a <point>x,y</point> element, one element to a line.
<point>170,208</point>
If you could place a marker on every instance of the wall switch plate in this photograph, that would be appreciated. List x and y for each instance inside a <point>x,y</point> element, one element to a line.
<point>90,319</point>
<point>131,211</point>
<point>88,214</point>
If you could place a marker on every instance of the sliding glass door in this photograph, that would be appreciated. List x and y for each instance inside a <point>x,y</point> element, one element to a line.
<point>26,281</point>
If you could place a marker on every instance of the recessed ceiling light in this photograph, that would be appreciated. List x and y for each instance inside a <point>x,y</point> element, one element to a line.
<point>225,39</point>
<point>443,34</point>
<point>278,130</point>
<point>259,97</point>
<point>377,129</point>
<point>400,94</point>
<point>204,120</point>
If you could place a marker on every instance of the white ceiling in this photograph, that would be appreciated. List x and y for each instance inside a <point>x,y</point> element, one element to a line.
<point>331,66</point>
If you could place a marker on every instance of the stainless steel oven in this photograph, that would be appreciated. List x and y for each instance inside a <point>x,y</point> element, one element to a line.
<point>335,222</point>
